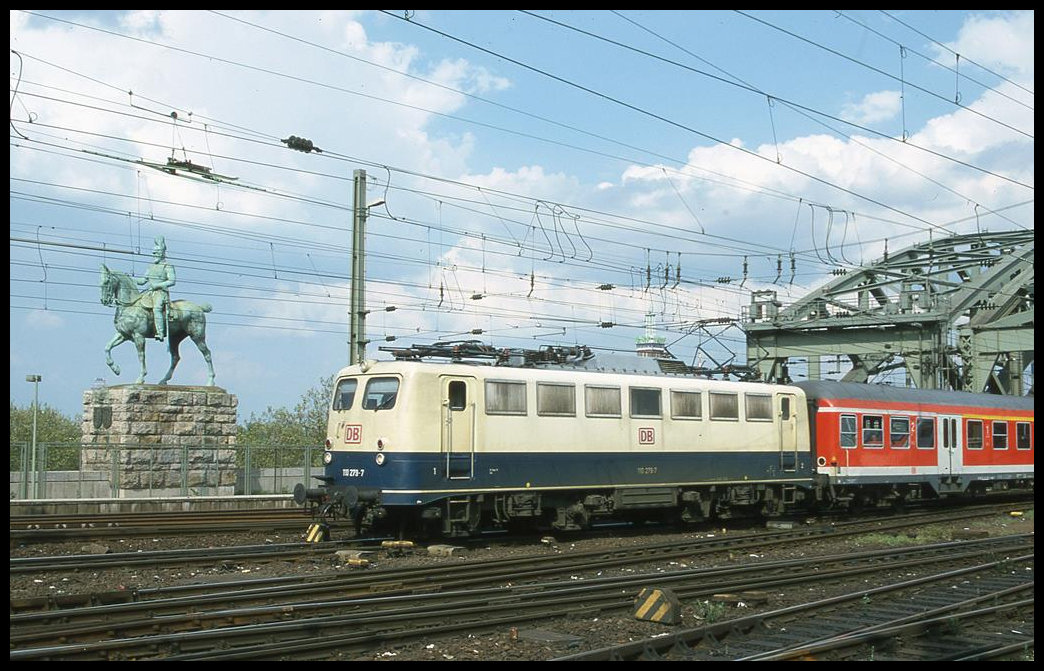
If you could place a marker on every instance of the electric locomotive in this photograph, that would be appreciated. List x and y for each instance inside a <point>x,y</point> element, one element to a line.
<point>555,438</point>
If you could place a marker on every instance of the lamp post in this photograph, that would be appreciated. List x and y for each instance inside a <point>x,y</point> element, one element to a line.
<point>357,316</point>
<point>35,379</point>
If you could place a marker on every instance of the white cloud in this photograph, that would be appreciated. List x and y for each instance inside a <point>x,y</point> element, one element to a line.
<point>873,108</point>
<point>45,319</point>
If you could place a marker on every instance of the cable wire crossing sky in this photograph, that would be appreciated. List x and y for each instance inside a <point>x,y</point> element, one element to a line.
<point>532,178</point>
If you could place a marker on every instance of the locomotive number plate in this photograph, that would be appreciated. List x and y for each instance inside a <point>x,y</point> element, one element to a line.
<point>353,472</point>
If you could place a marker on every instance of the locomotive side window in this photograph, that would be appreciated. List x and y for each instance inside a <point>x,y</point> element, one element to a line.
<point>602,401</point>
<point>645,402</point>
<point>344,396</point>
<point>1022,435</point>
<point>873,431</point>
<point>724,406</point>
<point>556,399</point>
<point>380,393</point>
<point>974,434</point>
<point>686,405</point>
<point>759,407</point>
<point>505,398</point>
<point>458,395</point>
<point>925,433</point>
<point>1000,435</point>
<point>849,435</point>
<point>899,432</point>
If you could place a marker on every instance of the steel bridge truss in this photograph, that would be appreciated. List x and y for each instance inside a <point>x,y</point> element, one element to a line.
<point>956,314</point>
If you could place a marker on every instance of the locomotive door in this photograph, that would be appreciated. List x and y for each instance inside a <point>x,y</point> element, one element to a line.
<point>788,444</point>
<point>951,456</point>
<point>458,426</point>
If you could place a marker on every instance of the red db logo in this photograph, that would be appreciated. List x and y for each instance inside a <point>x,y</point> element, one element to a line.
<point>353,433</point>
<point>646,435</point>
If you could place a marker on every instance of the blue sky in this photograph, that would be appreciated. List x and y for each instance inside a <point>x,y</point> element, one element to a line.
<point>526,158</point>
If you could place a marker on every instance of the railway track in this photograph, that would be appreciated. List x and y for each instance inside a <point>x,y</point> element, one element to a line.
<point>45,528</point>
<point>308,619</point>
<point>959,615</point>
<point>304,550</point>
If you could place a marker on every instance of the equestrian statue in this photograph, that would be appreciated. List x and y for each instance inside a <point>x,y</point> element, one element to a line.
<point>151,314</point>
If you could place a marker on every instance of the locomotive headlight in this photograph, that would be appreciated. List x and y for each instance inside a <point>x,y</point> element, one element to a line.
<point>379,459</point>
<point>327,457</point>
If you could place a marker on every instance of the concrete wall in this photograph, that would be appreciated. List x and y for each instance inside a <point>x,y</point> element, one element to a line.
<point>97,485</point>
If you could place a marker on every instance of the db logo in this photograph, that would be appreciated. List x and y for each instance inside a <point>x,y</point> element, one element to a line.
<point>353,433</point>
<point>646,435</point>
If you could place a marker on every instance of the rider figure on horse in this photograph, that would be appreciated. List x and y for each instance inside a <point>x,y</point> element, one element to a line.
<point>159,278</point>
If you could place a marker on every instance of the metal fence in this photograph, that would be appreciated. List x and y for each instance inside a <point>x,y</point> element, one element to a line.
<point>81,471</point>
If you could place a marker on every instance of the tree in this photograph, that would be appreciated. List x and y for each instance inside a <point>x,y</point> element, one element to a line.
<point>51,425</point>
<point>60,433</point>
<point>305,424</point>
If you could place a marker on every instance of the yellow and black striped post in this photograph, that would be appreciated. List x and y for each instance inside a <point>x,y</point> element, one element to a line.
<point>318,532</point>
<point>657,605</point>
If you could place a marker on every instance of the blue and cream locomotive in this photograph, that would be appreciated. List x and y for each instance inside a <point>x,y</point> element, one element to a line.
<point>553,438</point>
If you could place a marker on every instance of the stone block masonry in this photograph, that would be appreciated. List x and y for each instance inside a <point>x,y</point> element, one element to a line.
<point>161,440</point>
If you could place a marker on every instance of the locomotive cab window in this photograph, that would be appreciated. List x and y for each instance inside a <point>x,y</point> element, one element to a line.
<point>1000,435</point>
<point>381,393</point>
<point>602,401</point>
<point>759,407</point>
<point>686,405</point>
<point>344,395</point>
<point>849,432</point>
<point>556,399</point>
<point>873,431</point>
<point>899,433</point>
<point>724,406</point>
<point>505,398</point>
<point>1022,435</point>
<point>925,433</point>
<point>645,402</point>
<point>974,434</point>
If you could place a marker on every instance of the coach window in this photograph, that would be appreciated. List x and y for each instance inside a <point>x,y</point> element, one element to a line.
<point>602,401</point>
<point>645,402</point>
<point>505,398</point>
<point>1000,435</point>
<point>1022,436</point>
<point>899,432</point>
<point>873,431</point>
<point>380,393</point>
<point>849,433</point>
<point>686,405</point>
<point>925,433</point>
<point>759,407</point>
<point>974,434</point>
<point>724,406</point>
<point>345,394</point>
<point>556,399</point>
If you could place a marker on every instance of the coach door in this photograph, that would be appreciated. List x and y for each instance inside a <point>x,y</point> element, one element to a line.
<point>458,426</point>
<point>951,457</point>
<point>786,411</point>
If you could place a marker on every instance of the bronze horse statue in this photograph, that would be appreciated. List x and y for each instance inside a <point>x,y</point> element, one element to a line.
<point>134,322</point>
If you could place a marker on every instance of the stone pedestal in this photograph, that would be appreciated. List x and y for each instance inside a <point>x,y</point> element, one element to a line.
<point>161,440</point>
